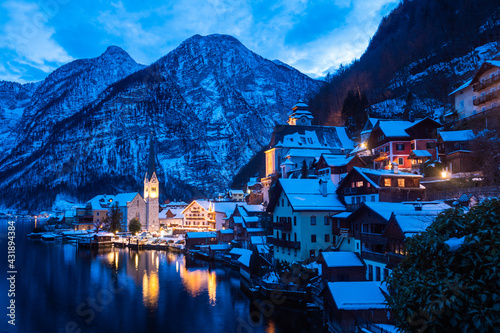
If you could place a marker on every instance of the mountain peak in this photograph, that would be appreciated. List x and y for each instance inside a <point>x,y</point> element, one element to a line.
<point>115,51</point>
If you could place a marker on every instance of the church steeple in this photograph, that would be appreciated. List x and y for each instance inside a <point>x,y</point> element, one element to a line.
<point>152,190</point>
<point>300,114</point>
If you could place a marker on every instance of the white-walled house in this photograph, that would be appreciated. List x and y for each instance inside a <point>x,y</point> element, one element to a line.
<point>301,224</point>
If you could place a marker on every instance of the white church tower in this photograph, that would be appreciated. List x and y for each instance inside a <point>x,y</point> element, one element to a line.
<point>152,192</point>
<point>300,115</point>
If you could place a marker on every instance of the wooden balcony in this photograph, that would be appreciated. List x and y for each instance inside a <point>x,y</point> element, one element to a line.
<point>285,243</point>
<point>282,226</point>
<point>373,238</point>
<point>478,86</point>
<point>485,98</point>
<point>343,232</point>
<point>374,256</point>
<point>380,156</point>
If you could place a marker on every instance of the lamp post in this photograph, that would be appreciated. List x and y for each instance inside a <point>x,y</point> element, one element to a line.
<point>445,176</point>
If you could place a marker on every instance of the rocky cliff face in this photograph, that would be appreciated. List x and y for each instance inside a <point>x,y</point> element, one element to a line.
<point>211,104</point>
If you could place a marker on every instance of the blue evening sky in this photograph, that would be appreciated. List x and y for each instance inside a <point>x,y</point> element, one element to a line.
<point>314,36</point>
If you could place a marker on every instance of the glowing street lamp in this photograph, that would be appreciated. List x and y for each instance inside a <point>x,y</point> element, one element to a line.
<point>445,175</point>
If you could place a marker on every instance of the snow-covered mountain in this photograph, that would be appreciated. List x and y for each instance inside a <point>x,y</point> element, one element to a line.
<point>211,104</point>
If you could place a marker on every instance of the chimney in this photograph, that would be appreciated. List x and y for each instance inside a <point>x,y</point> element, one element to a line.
<point>323,187</point>
<point>395,168</point>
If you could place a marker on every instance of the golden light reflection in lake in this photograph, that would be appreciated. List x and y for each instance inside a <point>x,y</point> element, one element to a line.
<point>197,281</point>
<point>150,289</point>
<point>136,261</point>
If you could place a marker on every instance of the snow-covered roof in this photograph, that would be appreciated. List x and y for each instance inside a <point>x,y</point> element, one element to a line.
<point>123,198</point>
<point>304,194</point>
<point>176,203</point>
<point>341,259</point>
<point>421,153</point>
<point>264,248</point>
<point>385,209</point>
<point>456,136</point>
<point>254,230</point>
<point>337,160</point>
<point>314,153</point>
<point>494,62</point>
<point>465,85</point>
<point>226,231</point>
<point>254,208</point>
<point>342,215</point>
<point>236,192</point>
<point>245,258</point>
<point>252,182</point>
<point>226,207</point>
<point>287,162</point>
<point>239,251</point>
<point>102,201</point>
<point>201,234</point>
<point>104,234</point>
<point>395,128</point>
<point>177,212</point>
<point>219,247</point>
<point>414,222</point>
<point>258,240</point>
<point>359,295</point>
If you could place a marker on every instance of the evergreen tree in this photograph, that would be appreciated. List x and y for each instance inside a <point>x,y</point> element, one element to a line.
<point>304,170</point>
<point>449,280</point>
<point>113,220</point>
<point>134,226</point>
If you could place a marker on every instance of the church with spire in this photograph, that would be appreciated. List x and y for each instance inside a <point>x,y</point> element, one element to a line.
<point>152,192</point>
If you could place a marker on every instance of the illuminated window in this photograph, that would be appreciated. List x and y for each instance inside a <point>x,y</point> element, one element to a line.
<point>401,160</point>
<point>401,182</point>
<point>359,184</point>
<point>387,182</point>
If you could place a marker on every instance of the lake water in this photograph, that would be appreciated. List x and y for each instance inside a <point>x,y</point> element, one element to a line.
<point>62,289</point>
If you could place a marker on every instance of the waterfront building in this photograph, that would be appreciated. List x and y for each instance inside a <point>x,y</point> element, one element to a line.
<point>301,224</point>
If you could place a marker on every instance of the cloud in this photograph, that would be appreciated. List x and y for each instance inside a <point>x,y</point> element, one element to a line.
<point>27,34</point>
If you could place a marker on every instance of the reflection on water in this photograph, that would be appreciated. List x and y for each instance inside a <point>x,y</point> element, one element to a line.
<point>150,290</point>
<point>124,290</point>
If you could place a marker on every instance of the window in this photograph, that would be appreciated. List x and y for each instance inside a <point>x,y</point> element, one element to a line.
<point>312,253</point>
<point>327,220</point>
<point>377,273</point>
<point>295,220</point>
<point>313,220</point>
<point>313,238</point>
<point>358,200</point>
<point>431,145</point>
<point>295,252</point>
<point>359,184</point>
<point>357,246</point>
<point>288,203</point>
<point>370,272</point>
<point>387,182</point>
<point>277,219</point>
<point>282,202</point>
<point>97,220</point>
<point>294,236</point>
<point>327,238</point>
<point>401,160</point>
<point>386,272</point>
<point>363,199</point>
<point>400,146</point>
<point>353,200</point>
<point>372,198</point>
<point>380,138</point>
<point>412,145</point>
<point>401,182</point>
<point>368,185</point>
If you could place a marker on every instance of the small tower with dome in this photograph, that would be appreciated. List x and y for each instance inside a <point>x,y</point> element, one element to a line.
<point>300,114</point>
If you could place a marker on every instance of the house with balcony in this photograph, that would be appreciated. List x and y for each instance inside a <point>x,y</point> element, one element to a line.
<point>393,141</point>
<point>368,226</point>
<point>454,152</point>
<point>199,214</point>
<point>369,185</point>
<point>301,224</point>
<point>337,166</point>
<point>479,97</point>
<point>245,223</point>
<point>171,217</point>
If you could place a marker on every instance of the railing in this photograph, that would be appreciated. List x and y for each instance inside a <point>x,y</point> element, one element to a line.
<point>282,226</point>
<point>351,190</point>
<point>285,243</point>
<point>485,98</point>
<point>380,155</point>
<point>373,238</point>
<point>486,83</point>
<point>353,207</point>
<point>345,232</point>
<point>374,256</point>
